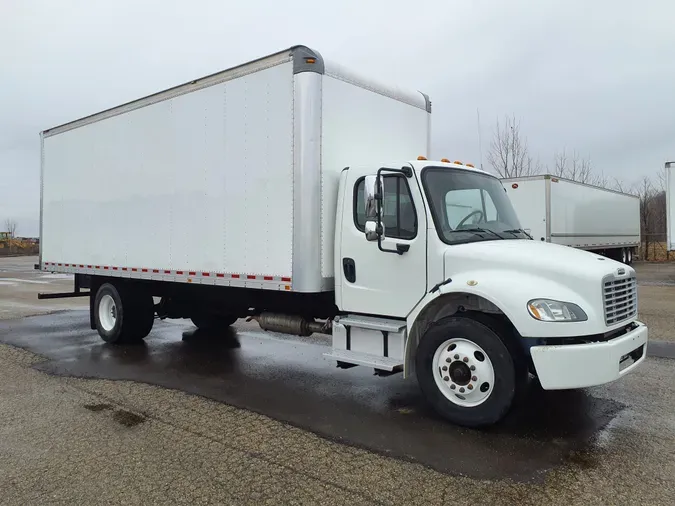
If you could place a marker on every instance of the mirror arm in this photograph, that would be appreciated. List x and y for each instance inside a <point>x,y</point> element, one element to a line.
<point>400,248</point>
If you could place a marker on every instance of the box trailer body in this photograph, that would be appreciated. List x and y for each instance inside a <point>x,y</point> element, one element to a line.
<point>213,181</point>
<point>569,213</point>
<point>670,205</point>
<point>296,193</point>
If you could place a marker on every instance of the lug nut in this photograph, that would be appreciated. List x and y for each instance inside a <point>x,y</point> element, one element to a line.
<point>445,378</point>
<point>466,359</point>
<point>456,357</point>
<point>474,378</point>
<point>448,360</point>
<point>470,387</point>
<point>445,368</point>
<point>452,386</point>
<point>461,390</point>
<point>473,367</point>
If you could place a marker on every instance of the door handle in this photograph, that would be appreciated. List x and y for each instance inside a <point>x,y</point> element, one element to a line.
<point>349,268</point>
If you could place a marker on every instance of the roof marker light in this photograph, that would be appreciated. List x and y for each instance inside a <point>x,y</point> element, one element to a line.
<point>421,157</point>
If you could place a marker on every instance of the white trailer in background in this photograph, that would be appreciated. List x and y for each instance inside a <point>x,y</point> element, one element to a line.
<point>670,205</point>
<point>293,192</point>
<point>569,213</point>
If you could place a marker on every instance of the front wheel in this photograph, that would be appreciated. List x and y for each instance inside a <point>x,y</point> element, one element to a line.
<point>466,372</point>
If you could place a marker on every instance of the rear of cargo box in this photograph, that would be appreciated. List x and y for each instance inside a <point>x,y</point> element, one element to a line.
<point>528,197</point>
<point>227,180</point>
<point>589,217</point>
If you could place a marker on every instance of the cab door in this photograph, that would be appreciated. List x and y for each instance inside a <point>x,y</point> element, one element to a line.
<point>376,282</point>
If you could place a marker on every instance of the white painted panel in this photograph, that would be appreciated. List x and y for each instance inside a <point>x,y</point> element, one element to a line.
<point>202,181</point>
<point>362,127</point>
<point>529,201</point>
<point>585,216</point>
<point>670,204</point>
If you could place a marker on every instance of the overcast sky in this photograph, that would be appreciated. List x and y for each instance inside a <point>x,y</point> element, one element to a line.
<point>596,76</point>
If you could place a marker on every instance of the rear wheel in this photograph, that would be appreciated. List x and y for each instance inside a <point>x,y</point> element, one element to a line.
<point>623,256</point>
<point>629,255</point>
<point>122,315</point>
<point>467,373</point>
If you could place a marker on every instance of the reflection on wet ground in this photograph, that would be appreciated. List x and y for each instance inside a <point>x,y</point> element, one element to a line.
<point>290,380</point>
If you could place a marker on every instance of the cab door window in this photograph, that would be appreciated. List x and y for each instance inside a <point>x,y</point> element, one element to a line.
<point>398,211</point>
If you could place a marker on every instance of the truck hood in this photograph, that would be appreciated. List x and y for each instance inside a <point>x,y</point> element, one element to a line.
<point>563,264</point>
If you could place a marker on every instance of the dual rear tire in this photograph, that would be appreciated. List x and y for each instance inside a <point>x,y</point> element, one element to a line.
<point>123,313</point>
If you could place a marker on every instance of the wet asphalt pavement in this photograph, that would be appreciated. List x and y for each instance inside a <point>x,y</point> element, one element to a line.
<point>291,381</point>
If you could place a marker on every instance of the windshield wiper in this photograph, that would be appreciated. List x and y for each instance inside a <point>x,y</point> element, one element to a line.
<point>479,230</point>
<point>517,230</point>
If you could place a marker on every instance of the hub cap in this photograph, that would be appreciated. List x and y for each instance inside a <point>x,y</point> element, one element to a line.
<point>463,372</point>
<point>107,312</point>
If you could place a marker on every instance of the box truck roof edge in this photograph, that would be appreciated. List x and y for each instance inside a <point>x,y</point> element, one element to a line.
<point>304,59</point>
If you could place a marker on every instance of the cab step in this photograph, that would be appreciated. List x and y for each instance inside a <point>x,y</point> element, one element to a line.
<point>345,358</point>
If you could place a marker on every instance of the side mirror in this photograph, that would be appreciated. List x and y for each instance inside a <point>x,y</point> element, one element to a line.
<point>371,196</point>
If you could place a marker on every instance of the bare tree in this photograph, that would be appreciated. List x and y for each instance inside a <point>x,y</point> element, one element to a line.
<point>10,226</point>
<point>646,192</point>
<point>576,168</point>
<point>509,154</point>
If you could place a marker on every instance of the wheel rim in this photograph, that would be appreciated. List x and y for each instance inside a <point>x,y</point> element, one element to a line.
<point>463,372</point>
<point>630,256</point>
<point>107,312</point>
<point>624,256</point>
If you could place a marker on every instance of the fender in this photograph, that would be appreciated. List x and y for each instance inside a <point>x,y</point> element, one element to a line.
<point>506,292</point>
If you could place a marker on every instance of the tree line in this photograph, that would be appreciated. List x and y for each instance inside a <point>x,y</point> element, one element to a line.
<point>509,156</point>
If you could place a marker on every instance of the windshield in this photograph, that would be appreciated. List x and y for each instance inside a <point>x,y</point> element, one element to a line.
<point>468,206</point>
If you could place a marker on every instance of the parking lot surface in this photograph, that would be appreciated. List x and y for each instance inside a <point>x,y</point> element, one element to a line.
<point>251,417</point>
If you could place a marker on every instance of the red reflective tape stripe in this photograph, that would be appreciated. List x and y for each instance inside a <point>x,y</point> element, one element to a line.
<point>179,272</point>
<point>106,268</point>
<point>167,272</point>
<point>59,265</point>
<point>97,266</point>
<point>124,268</point>
<point>134,269</point>
<point>235,276</point>
<point>192,273</point>
<point>287,280</point>
<point>220,275</point>
<point>88,266</point>
<point>114,268</point>
<point>81,266</point>
<point>144,270</point>
<point>250,277</point>
<point>205,274</point>
<point>155,270</point>
<point>268,278</point>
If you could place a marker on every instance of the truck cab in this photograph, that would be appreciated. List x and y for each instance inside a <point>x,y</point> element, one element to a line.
<point>435,276</point>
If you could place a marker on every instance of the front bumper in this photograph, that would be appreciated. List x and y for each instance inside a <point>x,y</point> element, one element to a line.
<point>584,365</point>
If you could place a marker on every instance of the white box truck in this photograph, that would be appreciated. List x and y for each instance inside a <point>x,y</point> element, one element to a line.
<point>569,213</point>
<point>282,190</point>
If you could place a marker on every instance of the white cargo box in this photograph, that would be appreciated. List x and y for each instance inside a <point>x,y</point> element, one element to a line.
<point>574,214</point>
<point>228,180</point>
<point>670,205</point>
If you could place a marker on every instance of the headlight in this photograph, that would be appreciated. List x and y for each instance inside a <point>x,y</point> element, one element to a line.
<point>546,310</point>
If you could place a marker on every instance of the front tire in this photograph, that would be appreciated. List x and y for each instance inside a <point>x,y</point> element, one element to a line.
<point>466,372</point>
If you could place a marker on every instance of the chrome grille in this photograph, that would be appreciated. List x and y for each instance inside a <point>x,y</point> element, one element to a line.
<point>620,298</point>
